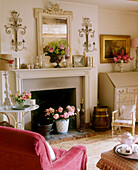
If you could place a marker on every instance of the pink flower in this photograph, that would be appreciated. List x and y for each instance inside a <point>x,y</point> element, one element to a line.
<point>27,94</point>
<point>61,115</point>
<point>24,97</point>
<point>56,116</point>
<point>66,115</point>
<point>73,108</point>
<point>61,47</point>
<point>51,49</point>
<point>119,57</point>
<point>115,59</point>
<point>68,108</point>
<point>71,113</point>
<point>51,110</point>
<point>60,109</point>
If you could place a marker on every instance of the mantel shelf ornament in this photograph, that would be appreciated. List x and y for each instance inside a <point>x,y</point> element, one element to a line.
<point>86,23</point>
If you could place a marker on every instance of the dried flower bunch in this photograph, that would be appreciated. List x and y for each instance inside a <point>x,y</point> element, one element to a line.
<point>122,57</point>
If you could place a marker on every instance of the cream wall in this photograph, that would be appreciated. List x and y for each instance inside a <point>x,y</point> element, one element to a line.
<point>25,8</point>
<point>117,23</point>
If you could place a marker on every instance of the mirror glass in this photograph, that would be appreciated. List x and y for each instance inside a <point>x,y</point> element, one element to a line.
<point>53,24</point>
<point>54,29</point>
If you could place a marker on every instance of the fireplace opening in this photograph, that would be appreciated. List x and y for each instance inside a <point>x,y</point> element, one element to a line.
<point>52,98</point>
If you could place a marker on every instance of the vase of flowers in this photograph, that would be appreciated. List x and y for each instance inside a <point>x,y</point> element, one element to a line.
<point>122,59</point>
<point>57,50</point>
<point>61,117</point>
<point>20,98</point>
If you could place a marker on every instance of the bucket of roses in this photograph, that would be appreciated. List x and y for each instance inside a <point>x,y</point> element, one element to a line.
<point>61,117</point>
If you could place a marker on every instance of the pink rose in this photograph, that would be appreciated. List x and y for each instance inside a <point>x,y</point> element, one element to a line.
<point>60,109</point>
<point>51,49</point>
<point>115,59</point>
<point>24,97</point>
<point>51,110</point>
<point>61,47</point>
<point>66,115</point>
<point>56,116</point>
<point>27,94</point>
<point>68,108</point>
<point>73,108</point>
<point>71,113</point>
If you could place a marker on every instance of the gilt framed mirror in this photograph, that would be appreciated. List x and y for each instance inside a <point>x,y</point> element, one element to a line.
<point>53,24</point>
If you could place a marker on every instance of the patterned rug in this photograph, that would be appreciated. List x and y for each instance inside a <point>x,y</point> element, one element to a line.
<point>95,145</point>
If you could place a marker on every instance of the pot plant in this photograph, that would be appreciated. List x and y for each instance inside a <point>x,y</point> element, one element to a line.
<point>61,117</point>
<point>46,122</point>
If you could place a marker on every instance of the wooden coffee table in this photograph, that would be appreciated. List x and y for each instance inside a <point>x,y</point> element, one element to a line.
<point>111,160</point>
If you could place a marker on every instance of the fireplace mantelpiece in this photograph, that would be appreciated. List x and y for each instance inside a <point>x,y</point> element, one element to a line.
<point>89,83</point>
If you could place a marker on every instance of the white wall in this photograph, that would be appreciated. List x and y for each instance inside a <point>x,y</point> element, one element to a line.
<point>117,23</point>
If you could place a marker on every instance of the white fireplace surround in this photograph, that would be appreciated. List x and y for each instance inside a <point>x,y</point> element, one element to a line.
<point>81,78</point>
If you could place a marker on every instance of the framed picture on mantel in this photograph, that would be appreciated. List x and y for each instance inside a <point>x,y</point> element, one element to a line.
<point>113,43</point>
<point>78,61</point>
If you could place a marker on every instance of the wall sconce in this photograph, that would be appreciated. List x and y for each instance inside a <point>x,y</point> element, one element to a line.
<point>15,28</point>
<point>86,23</point>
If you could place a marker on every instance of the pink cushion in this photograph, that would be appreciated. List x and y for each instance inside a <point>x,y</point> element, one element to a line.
<point>126,112</point>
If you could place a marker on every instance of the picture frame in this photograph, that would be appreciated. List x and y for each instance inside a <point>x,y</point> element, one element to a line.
<point>78,61</point>
<point>113,43</point>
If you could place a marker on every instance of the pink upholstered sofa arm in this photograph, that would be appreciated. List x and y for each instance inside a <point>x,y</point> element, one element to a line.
<point>75,158</point>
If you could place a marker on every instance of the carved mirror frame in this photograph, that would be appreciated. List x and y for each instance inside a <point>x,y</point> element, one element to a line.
<point>54,11</point>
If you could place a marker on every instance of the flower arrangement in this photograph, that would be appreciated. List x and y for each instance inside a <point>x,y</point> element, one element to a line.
<point>122,57</point>
<point>55,48</point>
<point>20,98</point>
<point>59,114</point>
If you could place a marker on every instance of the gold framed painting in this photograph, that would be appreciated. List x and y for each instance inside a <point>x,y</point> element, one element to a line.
<point>113,43</point>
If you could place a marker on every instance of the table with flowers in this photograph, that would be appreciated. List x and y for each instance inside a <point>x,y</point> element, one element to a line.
<point>20,114</point>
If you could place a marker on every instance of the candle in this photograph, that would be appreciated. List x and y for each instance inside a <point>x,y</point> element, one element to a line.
<point>33,102</point>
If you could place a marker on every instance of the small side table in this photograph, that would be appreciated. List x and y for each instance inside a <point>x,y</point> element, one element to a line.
<point>110,160</point>
<point>19,123</point>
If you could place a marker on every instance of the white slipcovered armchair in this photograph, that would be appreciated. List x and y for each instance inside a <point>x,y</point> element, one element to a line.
<point>125,115</point>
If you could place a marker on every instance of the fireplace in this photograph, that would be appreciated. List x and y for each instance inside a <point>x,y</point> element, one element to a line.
<point>52,98</point>
<point>81,80</point>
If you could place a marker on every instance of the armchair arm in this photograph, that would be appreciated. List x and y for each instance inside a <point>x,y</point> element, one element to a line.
<point>75,158</point>
<point>115,114</point>
<point>134,116</point>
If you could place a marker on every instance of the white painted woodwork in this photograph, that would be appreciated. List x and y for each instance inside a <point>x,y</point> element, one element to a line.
<point>81,78</point>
